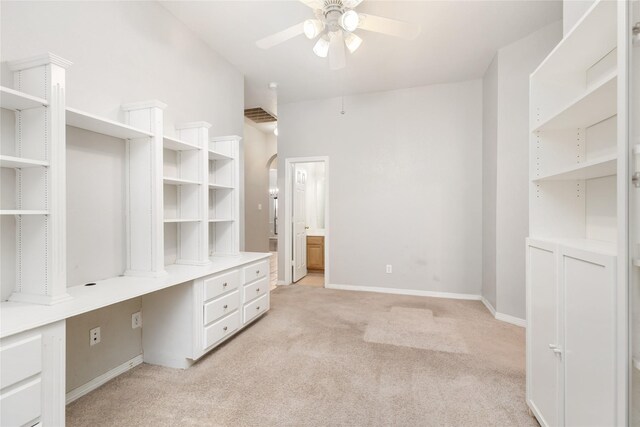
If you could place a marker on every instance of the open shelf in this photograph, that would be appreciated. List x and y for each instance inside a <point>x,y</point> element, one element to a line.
<point>177,145</point>
<point>18,101</point>
<point>179,181</point>
<point>596,168</point>
<point>90,122</point>
<point>176,220</point>
<point>220,187</point>
<point>23,212</point>
<point>593,36</point>
<point>215,155</point>
<point>221,220</point>
<point>19,162</point>
<point>595,105</point>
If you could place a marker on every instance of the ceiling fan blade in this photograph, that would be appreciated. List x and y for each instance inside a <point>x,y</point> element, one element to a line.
<point>281,36</point>
<point>392,27</point>
<point>337,55</point>
<point>313,4</point>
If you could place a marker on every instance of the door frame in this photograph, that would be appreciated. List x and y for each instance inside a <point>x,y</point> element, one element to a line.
<point>288,226</point>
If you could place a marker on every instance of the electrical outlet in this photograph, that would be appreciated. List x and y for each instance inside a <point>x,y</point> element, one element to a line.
<point>94,336</point>
<point>136,320</point>
<point>389,268</point>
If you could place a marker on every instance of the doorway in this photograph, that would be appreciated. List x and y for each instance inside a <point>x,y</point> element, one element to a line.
<point>306,221</point>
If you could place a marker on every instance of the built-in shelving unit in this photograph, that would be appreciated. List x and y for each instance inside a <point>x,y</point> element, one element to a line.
<point>223,197</point>
<point>574,303</point>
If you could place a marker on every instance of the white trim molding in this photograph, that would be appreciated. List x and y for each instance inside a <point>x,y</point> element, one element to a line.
<point>397,291</point>
<point>77,393</point>
<point>489,306</point>
<point>511,319</point>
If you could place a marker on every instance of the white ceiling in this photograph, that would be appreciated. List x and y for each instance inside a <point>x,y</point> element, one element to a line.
<point>457,42</point>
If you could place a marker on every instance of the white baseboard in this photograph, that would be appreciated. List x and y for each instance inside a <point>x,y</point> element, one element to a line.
<point>489,306</point>
<point>511,319</point>
<point>398,291</point>
<point>281,283</point>
<point>77,393</point>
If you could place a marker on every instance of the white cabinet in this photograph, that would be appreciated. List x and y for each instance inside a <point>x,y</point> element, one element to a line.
<point>576,289</point>
<point>571,344</point>
<point>184,322</point>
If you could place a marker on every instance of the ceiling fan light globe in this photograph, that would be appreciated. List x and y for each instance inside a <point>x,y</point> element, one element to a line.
<point>312,27</point>
<point>349,20</point>
<point>321,47</point>
<point>352,42</point>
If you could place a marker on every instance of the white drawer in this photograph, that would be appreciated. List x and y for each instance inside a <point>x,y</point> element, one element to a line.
<point>21,405</point>
<point>20,359</point>
<point>220,307</point>
<point>220,329</point>
<point>256,289</point>
<point>255,271</point>
<point>256,308</point>
<point>217,285</point>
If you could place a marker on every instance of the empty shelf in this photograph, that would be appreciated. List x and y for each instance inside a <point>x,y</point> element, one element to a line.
<point>220,187</point>
<point>174,220</point>
<point>597,168</point>
<point>221,220</point>
<point>215,155</point>
<point>595,105</point>
<point>17,101</point>
<point>81,120</point>
<point>19,162</point>
<point>23,212</point>
<point>179,181</point>
<point>177,145</point>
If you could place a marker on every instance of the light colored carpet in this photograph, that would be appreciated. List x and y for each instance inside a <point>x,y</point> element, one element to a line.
<point>315,280</point>
<point>324,357</point>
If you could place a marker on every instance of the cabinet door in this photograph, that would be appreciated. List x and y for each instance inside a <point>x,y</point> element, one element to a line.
<point>543,363</point>
<point>589,338</point>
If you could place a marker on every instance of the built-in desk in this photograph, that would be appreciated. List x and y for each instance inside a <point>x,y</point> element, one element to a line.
<point>208,304</point>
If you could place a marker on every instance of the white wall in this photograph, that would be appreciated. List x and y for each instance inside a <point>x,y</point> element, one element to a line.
<point>572,11</point>
<point>122,52</point>
<point>489,186</point>
<point>259,147</point>
<point>405,184</point>
<point>515,63</point>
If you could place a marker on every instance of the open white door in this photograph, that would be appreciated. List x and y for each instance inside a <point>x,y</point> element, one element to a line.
<point>299,224</point>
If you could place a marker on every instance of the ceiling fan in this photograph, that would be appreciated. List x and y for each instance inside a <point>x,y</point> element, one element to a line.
<point>335,22</point>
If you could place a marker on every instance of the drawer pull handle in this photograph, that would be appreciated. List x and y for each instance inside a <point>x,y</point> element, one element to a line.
<point>258,308</point>
<point>224,285</point>
<point>258,290</point>
<point>224,329</point>
<point>225,306</point>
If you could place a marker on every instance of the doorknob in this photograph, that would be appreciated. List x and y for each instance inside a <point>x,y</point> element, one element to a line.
<point>306,228</point>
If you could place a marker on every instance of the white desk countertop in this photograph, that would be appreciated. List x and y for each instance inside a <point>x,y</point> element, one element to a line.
<point>18,317</point>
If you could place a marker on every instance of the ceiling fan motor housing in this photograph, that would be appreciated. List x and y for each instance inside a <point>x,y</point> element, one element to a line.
<point>332,11</point>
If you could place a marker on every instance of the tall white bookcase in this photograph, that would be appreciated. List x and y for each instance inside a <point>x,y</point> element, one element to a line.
<point>574,297</point>
<point>32,207</point>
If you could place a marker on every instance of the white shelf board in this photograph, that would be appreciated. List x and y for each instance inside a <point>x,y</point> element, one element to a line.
<point>176,220</point>
<point>220,187</point>
<point>589,245</point>
<point>82,120</point>
<point>221,220</point>
<point>216,155</point>
<point>177,145</point>
<point>23,212</point>
<point>598,103</point>
<point>20,162</point>
<point>591,38</point>
<point>18,101</point>
<point>179,181</point>
<point>596,168</point>
<point>16,317</point>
